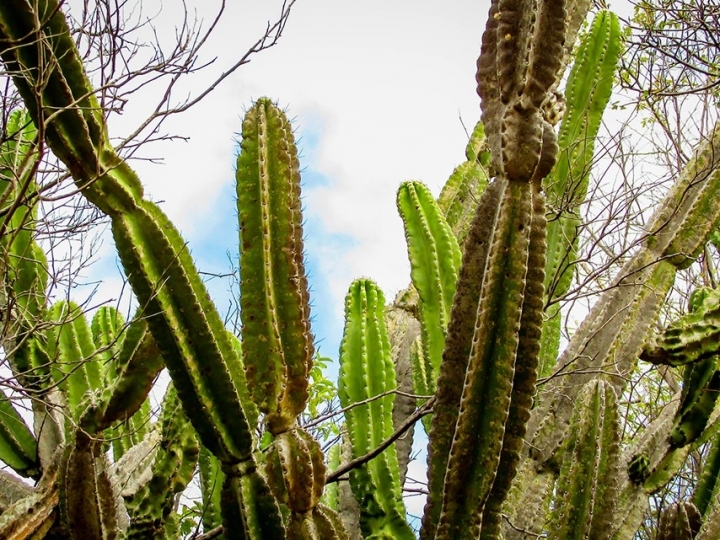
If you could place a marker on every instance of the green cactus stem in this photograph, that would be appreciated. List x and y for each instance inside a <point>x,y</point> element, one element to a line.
<point>587,94</point>
<point>107,327</point>
<point>366,372</point>
<point>588,484</point>
<point>275,301</point>
<point>692,338</point>
<point>128,382</point>
<point>461,192</point>
<point>18,447</point>
<point>701,386</point>
<point>707,485</point>
<point>434,263</point>
<point>76,369</point>
<point>612,336</point>
<point>211,480</point>
<point>331,495</point>
<point>23,266</point>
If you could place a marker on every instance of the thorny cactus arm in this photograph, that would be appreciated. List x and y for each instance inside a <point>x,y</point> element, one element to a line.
<point>172,468</point>
<point>275,302</point>
<point>23,266</point>
<point>493,338</point>
<point>75,366</point>
<point>679,521</point>
<point>461,192</point>
<point>692,338</point>
<point>366,371</point>
<point>275,312</point>
<point>587,487</point>
<point>434,262</point>
<point>587,93</point>
<point>18,447</point>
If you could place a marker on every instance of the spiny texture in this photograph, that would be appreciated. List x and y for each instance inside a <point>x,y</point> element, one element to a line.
<point>612,336</point>
<point>522,52</point>
<point>494,316</point>
<point>172,468</point>
<point>588,484</point>
<point>275,303</point>
<point>488,374</point>
<point>679,521</point>
<point>587,94</point>
<point>701,387</point>
<point>434,263</point>
<point>366,376</point>
<point>23,263</point>
<point>691,338</point>
<point>462,190</point>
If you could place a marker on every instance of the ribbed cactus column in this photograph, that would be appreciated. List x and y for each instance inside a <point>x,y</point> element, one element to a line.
<point>366,377</point>
<point>275,312</point>
<point>274,302</point>
<point>24,275</point>
<point>487,378</point>
<point>434,263</point>
<point>679,521</point>
<point>587,488</point>
<point>587,93</point>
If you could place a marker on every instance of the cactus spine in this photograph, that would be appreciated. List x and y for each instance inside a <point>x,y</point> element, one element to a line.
<point>366,377</point>
<point>587,93</point>
<point>435,259</point>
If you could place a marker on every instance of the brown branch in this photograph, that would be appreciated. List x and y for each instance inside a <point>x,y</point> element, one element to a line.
<point>355,463</point>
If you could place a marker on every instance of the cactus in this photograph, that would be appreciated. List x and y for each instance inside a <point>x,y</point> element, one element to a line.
<point>482,318</point>
<point>587,485</point>
<point>172,469</point>
<point>366,377</point>
<point>680,521</point>
<point>435,259</point>
<point>587,93</point>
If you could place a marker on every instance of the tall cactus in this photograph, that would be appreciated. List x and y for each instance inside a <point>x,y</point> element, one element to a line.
<point>367,378</point>
<point>483,340</point>
<point>587,93</point>
<point>587,487</point>
<point>435,260</point>
<point>488,372</point>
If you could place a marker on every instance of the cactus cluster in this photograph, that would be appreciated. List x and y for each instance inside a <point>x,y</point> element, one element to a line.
<point>479,322</point>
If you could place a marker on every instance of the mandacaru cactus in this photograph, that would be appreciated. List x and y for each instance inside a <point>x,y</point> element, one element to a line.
<point>587,486</point>
<point>506,459</point>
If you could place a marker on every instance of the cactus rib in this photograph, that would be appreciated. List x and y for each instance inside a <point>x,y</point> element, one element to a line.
<point>434,261</point>
<point>275,301</point>
<point>477,441</point>
<point>366,371</point>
